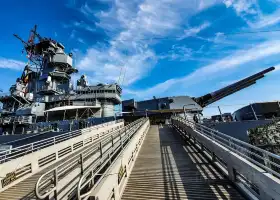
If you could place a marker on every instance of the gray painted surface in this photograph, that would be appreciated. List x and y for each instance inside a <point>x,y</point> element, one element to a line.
<point>268,185</point>
<point>166,103</point>
<point>181,101</point>
<point>263,110</point>
<point>238,129</point>
<point>8,138</point>
<point>108,109</point>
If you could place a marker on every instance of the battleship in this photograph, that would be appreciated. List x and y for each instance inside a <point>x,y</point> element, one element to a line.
<point>160,109</point>
<point>64,140</point>
<point>44,97</point>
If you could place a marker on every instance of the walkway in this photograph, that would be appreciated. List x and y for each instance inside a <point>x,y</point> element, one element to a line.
<point>24,190</point>
<point>169,168</point>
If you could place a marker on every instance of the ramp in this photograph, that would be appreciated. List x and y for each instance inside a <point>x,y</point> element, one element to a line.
<point>25,188</point>
<point>169,168</point>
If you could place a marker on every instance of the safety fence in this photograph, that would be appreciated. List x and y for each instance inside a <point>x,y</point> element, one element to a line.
<point>36,157</point>
<point>19,151</point>
<point>264,159</point>
<point>264,163</point>
<point>62,180</point>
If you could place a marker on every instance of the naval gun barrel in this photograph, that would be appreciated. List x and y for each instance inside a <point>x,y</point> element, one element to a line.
<point>230,89</point>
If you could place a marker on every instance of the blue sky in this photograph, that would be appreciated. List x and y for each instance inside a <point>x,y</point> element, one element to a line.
<point>155,47</point>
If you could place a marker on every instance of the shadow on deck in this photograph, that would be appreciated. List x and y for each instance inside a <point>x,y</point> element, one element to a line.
<point>167,167</point>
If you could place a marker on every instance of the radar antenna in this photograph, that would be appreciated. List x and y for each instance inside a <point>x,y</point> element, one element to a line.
<point>35,51</point>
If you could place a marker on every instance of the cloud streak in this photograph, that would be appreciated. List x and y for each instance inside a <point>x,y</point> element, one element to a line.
<point>250,12</point>
<point>11,64</point>
<point>235,60</point>
<point>133,21</point>
<point>267,20</point>
<point>195,30</point>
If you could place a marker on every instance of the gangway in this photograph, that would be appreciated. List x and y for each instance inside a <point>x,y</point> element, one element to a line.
<point>24,165</point>
<point>178,160</point>
<point>98,158</point>
<point>167,167</point>
<point>186,160</point>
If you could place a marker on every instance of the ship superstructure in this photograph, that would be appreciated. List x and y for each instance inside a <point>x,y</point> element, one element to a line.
<point>45,92</point>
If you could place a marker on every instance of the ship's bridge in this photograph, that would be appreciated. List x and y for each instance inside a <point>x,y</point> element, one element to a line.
<point>180,159</point>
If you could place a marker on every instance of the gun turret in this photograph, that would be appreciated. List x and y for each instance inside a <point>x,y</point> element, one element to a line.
<point>209,98</point>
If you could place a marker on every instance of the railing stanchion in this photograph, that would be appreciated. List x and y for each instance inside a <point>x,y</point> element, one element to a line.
<point>55,184</point>
<point>100,149</point>
<point>82,163</point>
<point>213,157</point>
<point>262,158</point>
<point>121,139</point>
<point>266,160</point>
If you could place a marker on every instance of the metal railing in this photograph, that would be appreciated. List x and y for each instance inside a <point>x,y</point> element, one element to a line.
<point>91,178</point>
<point>267,161</point>
<point>92,157</point>
<point>49,88</point>
<point>18,119</point>
<point>13,153</point>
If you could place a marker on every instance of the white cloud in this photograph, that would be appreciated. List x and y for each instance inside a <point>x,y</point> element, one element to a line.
<point>219,37</point>
<point>195,30</point>
<point>237,59</point>
<point>277,67</point>
<point>183,53</point>
<point>11,64</point>
<point>106,64</point>
<point>73,34</point>
<point>180,53</point>
<point>81,40</point>
<point>250,11</point>
<point>134,23</point>
<point>243,7</point>
<point>267,20</point>
<point>80,24</point>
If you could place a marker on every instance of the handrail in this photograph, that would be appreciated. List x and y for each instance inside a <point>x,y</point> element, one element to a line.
<point>79,159</point>
<point>12,153</point>
<point>90,172</point>
<point>258,156</point>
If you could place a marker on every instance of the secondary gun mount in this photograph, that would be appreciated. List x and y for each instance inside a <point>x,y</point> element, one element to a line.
<point>210,98</point>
